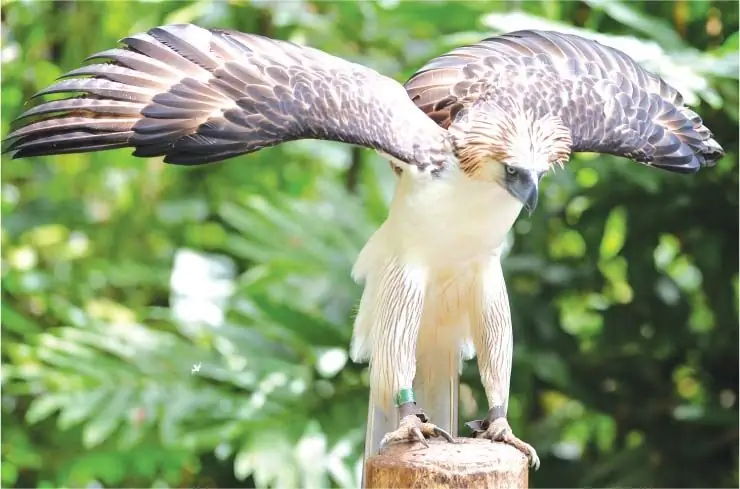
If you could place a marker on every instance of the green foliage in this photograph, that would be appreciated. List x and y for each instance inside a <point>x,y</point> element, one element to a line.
<point>123,276</point>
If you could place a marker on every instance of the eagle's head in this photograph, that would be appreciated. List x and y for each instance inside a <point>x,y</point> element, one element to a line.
<point>511,147</point>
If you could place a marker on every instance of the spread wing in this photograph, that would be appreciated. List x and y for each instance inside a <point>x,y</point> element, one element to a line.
<point>196,96</point>
<point>609,103</point>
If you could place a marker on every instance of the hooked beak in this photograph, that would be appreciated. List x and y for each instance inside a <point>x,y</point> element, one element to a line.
<point>525,189</point>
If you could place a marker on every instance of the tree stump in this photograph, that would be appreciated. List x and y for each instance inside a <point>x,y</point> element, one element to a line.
<point>471,463</point>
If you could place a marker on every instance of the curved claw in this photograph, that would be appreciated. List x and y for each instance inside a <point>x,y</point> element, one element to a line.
<point>534,461</point>
<point>524,447</point>
<point>437,431</point>
<point>478,426</point>
<point>418,436</point>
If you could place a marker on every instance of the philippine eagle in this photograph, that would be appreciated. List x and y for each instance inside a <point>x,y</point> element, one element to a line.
<point>470,135</point>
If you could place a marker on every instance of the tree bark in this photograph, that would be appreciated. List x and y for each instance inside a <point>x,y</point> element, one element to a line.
<point>471,463</point>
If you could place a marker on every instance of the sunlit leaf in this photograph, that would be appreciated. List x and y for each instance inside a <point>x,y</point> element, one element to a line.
<point>615,233</point>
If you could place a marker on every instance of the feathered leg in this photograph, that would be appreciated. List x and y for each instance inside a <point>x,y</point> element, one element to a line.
<point>387,328</point>
<point>493,339</point>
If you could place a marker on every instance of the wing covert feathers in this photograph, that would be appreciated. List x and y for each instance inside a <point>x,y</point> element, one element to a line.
<point>609,103</point>
<point>195,96</point>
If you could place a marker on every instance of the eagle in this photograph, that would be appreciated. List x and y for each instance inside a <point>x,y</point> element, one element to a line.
<point>470,135</point>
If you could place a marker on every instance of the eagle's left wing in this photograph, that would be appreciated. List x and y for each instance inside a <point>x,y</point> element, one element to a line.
<point>608,102</point>
<point>196,95</point>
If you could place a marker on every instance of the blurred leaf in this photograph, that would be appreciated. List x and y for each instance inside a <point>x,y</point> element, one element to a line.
<point>108,418</point>
<point>615,233</point>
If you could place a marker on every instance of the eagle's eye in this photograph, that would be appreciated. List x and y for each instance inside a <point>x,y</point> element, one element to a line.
<point>511,170</point>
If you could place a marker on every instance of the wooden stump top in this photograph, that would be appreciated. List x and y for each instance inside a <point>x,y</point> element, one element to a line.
<point>470,463</point>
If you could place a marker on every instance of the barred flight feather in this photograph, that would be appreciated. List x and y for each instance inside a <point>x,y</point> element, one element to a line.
<point>608,102</point>
<point>196,96</point>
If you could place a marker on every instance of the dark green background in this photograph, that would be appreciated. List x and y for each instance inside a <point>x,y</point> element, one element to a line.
<point>624,283</point>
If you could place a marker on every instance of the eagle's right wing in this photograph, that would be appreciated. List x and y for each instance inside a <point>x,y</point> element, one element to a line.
<point>608,102</point>
<point>195,96</point>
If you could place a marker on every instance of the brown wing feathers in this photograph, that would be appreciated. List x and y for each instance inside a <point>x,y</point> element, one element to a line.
<point>609,103</point>
<point>195,95</point>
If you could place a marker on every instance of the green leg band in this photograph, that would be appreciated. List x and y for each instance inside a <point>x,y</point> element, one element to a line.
<point>404,396</point>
